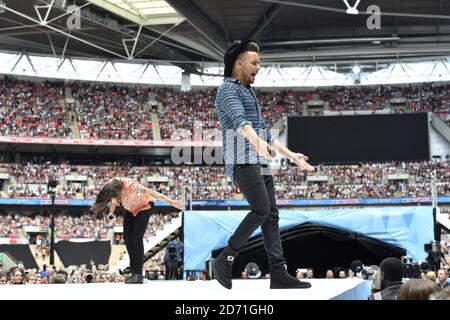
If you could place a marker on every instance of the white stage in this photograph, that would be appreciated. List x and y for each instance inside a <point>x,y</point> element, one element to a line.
<point>322,289</point>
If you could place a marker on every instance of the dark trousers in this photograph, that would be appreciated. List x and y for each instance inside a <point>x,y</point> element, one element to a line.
<point>133,234</point>
<point>259,191</point>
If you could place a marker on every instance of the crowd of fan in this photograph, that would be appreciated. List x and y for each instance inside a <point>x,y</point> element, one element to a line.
<point>9,226</point>
<point>33,109</point>
<point>370,180</point>
<point>53,275</point>
<point>84,274</point>
<point>112,112</point>
<point>366,180</point>
<point>82,226</point>
<point>154,269</point>
<point>39,109</point>
<point>357,98</point>
<point>184,114</point>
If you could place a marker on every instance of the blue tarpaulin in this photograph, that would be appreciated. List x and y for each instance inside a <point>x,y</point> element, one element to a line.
<point>406,227</point>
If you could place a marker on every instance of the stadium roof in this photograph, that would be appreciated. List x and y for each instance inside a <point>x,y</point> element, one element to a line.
<point>193,35</point>
<point>142,12</point>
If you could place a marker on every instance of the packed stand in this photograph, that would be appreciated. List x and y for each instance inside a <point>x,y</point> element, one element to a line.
<point>108,111</point>
<point>82,226</point>
<point>357,98</point>
<point>9,226</point>
<point>33,109</point>
<point>112,112</point>
<point>211,183</point>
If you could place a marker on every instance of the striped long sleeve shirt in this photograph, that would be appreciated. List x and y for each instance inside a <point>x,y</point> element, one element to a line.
<point>237,105</point>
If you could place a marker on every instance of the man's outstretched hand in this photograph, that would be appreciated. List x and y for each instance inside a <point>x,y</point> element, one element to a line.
<point>300,160</point>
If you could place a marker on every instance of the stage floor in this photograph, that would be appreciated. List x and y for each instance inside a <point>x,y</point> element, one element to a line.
<point>322,289</point>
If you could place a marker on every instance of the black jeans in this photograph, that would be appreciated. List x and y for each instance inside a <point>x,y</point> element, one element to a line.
<point>259,191</point>
<point>133,234</point>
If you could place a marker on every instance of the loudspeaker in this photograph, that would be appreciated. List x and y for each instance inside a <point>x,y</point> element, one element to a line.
<point>6,261</point>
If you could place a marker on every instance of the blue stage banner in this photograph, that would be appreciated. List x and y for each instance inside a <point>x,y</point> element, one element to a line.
<point>406,227</point>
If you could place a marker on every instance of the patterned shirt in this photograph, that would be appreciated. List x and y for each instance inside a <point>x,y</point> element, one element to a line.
<point>133,196</point>
<point>236,106</point>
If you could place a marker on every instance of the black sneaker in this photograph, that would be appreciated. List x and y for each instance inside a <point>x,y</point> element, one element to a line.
<point>281,279</point>
<point>222,268</point>
<point>135,279</point>
<point>125,271</point>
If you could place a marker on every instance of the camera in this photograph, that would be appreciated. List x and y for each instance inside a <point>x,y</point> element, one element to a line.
<point>369,272</point>
<point>406,260</point>
<point>89,278</point>
<point>412,270</point>
<point>432,247</point>
<point>172,250</point>
<point>435,255</point>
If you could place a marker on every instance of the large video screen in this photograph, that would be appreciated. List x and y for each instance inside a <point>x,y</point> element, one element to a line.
<point>360,138</point>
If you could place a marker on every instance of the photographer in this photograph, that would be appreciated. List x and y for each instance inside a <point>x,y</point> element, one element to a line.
<point>172,260</point>
<point>435,258</point>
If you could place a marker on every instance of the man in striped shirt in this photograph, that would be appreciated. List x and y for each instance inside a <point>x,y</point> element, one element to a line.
<point>247,146</point>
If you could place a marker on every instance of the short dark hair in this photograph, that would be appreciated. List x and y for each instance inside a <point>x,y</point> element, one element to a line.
<point>392,268</point>
<point>58,278</point>
<point>235,51</point>
<point>109,191</point>
<point>251,46</point>
<point>356,266</point>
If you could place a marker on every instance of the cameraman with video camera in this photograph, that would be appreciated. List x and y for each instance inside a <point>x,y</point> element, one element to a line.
<point>173,259</point>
